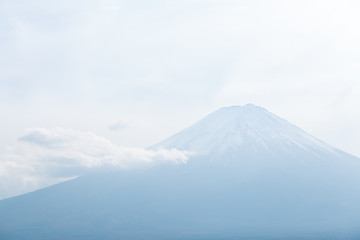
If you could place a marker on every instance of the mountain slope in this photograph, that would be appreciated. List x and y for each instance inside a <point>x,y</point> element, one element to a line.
<point>252,175</point>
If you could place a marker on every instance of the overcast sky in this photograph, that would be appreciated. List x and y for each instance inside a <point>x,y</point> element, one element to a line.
<point>135,72</point>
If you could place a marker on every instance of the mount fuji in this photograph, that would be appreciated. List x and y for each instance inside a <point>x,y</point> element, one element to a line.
<point>249,129</point>
<point>250,175</point>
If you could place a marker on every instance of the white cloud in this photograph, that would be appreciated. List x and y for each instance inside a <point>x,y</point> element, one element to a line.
<point>45,156</point>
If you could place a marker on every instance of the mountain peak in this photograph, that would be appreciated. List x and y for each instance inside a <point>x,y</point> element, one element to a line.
<point>248,106</point>
<point>248,128</point>
<point>241,113</point>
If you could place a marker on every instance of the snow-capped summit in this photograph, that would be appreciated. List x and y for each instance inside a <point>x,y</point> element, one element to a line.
<point>249,129</point>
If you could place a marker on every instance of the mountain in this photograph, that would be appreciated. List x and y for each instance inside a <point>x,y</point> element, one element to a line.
<point>248,129</point>
<point>251,175</point>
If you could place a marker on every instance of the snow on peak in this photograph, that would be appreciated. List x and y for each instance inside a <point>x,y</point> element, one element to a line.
<point>239,127</point>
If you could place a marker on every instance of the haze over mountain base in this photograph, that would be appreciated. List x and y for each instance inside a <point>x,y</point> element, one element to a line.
<point>251,175</point>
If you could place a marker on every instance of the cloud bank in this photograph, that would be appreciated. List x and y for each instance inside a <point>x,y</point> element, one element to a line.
<point>46,156</point>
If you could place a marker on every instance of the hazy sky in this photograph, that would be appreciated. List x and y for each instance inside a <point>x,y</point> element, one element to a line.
<point>135,72</point>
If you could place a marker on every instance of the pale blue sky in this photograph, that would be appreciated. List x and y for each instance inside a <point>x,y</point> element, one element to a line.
<point>136,72</point>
